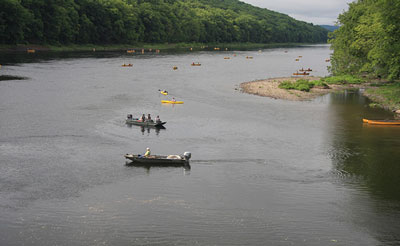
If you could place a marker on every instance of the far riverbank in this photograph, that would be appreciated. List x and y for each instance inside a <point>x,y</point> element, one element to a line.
<point>147,47</point>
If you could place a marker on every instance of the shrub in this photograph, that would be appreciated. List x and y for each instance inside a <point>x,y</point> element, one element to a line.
<point>303,87</point>
<point>286,85</point>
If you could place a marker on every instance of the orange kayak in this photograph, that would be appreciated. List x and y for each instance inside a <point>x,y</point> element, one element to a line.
<point>382,122</point>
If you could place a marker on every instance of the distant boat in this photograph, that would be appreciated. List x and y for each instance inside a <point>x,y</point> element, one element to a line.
<point>171,102</point>
<point>305,70</point>
<point>249,57</point>
<point>30,50</point>
<point>130,51</point>
<point>127,65</point>
<point>303,73</point>
<point>138,122</point>
<point>174,67</point>
<point>382,122</point>
<point>164,92</point>
<point>226,58</point>
<point>195,64</point>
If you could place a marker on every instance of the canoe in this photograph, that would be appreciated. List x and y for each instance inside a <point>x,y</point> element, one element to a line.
<point>171,102</point>
<point>195,64</point>
<point>159,160</point>
<point>382,122</point>
<point>164,92</point>
<point>127,65</point>
<point>304,73</point>
<point>136,121</point>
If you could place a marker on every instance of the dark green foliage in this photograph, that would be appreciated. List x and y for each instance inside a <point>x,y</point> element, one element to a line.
<point>368,40</point>
<point>150,21</point>
<point>342,79</point>
<point>329,27</point>
<point>300,85</point>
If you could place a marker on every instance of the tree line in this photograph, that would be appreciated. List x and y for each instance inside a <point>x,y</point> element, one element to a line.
<point>148,21</point>
<point>368,40</point>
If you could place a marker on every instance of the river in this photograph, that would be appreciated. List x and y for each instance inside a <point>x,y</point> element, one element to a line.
<point>263,171</point>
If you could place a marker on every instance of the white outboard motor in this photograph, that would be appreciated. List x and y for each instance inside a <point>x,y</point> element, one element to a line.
<point>187,155</point>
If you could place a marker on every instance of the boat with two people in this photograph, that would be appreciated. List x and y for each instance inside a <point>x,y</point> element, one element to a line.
<point>143,121</point>
<point>158,160</point>
<point>303,73</point>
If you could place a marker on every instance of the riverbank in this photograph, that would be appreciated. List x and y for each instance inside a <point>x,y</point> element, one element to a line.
<point>147,46</point>
<point>383,94</point>
<point>386,95</point>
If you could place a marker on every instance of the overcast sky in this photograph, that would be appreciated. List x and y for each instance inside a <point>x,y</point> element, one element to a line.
<point>318,12</point>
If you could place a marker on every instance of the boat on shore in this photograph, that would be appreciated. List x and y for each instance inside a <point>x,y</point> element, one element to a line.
<point>159,160</point>
<point>382,122</point>
<point>151,123</point>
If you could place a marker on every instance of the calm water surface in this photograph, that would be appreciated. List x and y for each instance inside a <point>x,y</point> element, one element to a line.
<point>263,171</point>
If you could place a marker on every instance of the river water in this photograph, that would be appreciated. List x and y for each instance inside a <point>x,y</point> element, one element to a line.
<point>263,171</point>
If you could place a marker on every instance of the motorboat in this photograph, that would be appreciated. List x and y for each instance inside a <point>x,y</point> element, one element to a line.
<point>159,160</point>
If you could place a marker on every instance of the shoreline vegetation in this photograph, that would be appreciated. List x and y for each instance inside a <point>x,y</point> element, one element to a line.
<point>147,46</point>
<point>137,21</point>
<point>383,94</point>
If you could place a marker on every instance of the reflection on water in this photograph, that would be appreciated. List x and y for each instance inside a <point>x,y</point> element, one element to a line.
<point>147,129</point>
<point>366,151</point>
<point>366,158</point>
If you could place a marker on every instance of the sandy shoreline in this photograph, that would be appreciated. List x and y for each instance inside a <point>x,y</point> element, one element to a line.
<point>269,88</point>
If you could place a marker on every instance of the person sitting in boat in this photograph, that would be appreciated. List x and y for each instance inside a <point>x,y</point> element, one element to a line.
<point>173,99</point>
<point>149,118</point>
<point>158,119</point>
<point>143,118</point>
<point>129,116</point>
<point>147,154</point>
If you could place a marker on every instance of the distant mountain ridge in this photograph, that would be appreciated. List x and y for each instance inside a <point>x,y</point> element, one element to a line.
<point>329,27</point>
<point>149,21</point>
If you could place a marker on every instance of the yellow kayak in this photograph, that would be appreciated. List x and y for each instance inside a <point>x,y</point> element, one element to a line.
<point>164,92</point>
<point>172,102</point>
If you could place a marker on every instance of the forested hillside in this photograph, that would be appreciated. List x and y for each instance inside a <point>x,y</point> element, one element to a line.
<point>368,40</point>
<point>148,21</point>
